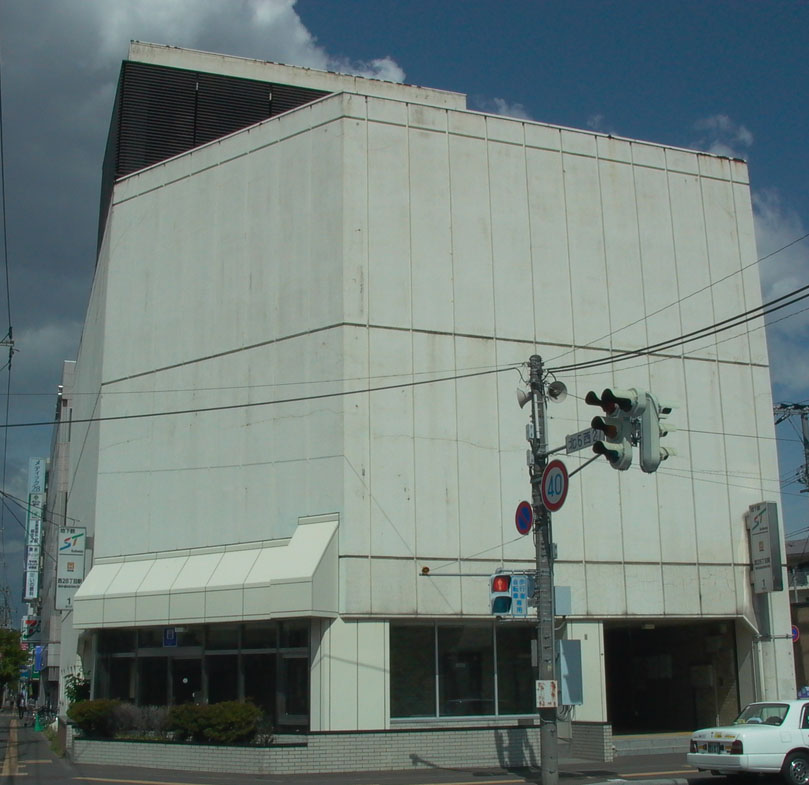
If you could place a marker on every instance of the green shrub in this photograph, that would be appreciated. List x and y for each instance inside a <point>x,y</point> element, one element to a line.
<point>95,717</point>
<point>186,721</point>
<point>229,722</point>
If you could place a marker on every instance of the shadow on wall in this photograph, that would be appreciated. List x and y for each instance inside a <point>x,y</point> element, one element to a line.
<point>513,750</point>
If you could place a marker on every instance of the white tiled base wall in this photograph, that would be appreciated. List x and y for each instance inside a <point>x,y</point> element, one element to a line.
<point>354,751</point>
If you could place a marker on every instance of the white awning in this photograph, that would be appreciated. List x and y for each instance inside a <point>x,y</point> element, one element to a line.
<point>268,580</point>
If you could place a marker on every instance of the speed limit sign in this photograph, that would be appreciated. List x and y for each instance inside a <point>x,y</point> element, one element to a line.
<point>554,485</point>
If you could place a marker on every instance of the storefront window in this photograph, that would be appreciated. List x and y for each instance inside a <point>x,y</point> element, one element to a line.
<point>466,670</point>
<point>294,635</point>
<point>121,676</point>
<point>186,681</point>
<point>222,672</point>
<point>263,662</point>
<point>222,638</point>
<point>260,636</point>
<point>153,681</point>
<point>462,658</point>
<point>412,671</point>
<point>116,641</point>
<point>259,681</point>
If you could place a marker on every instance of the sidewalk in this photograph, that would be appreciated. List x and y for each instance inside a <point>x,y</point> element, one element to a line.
<point>27,753</point>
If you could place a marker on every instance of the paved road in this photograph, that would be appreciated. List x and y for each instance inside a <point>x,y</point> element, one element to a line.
<point>29,760</point>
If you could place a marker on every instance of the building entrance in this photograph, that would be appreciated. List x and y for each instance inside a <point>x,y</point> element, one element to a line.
<point>663,676</point>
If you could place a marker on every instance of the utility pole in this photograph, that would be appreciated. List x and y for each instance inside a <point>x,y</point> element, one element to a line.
<point>783,411</point>
<point>543,541</point>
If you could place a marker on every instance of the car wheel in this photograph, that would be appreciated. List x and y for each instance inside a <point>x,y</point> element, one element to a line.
<point>796,769</point>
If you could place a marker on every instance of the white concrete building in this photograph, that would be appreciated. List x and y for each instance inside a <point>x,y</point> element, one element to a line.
<point>296,389</point>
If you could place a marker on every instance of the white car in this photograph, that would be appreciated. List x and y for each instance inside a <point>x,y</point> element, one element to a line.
<point>767,737</point>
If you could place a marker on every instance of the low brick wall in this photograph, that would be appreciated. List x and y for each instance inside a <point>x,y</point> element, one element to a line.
<point>593,740</point>
<point>503,747</point>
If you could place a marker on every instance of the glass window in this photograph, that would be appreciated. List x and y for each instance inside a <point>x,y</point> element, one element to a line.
<point>412,671</point>
<point>515,674</point>
<point>466,670</point>
<point>186,681</point>
<point>189,636</point>
<point>150,638</point>
<point>116,641</point>
<point>222,671</point>
<point>260,636</point>
<point>222,637</point>
<point>121,681</point>
<point>153,681</point>
<point>259,681</point>
<point>294,634</point>
<point>295,689</point>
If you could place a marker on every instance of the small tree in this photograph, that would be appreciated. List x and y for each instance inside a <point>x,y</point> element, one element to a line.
<point>77,687</point>
<point>12,658</point>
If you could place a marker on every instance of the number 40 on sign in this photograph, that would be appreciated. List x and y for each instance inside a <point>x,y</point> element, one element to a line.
<point>554,485</point>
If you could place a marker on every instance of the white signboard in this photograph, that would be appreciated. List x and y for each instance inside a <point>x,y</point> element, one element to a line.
<point>579,441</point>
<point>765,547</point>
<point>32,557</point>
<point>31,585</point>
<point>36,475</point>
<point>36,501</point>
<point>34,531</point>
<point>69,564</point>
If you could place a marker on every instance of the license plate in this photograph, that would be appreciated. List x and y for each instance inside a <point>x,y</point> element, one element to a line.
<point>714,748</point>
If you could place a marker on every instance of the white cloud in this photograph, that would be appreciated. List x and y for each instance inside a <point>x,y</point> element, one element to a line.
<point>722,136</point>
<point>500,106</point>
<point>777,225</point>
<point>260,29</point>
<point>382,68</point>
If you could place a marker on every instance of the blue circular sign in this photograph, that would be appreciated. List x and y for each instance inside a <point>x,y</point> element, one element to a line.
<point>524,517</point>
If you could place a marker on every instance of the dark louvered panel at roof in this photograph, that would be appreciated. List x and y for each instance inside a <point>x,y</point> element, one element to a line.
<point>225,105</point>
<point>286,97</point>
<point>161,112</point>
<point>157,115</point>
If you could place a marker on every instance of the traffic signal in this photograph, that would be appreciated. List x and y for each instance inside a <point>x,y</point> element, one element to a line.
<point>620,407</point>
<point>651,429</point>
<point>500,593</point>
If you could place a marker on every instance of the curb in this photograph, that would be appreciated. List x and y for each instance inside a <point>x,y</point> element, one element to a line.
<point>660,781</point>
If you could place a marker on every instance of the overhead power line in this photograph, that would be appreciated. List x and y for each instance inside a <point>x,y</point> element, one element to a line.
<point>795,296</point>
<point>692,294</point>
<point>726,324</point>
<point>254,404</point>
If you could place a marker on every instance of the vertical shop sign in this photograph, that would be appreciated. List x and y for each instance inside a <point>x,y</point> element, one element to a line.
<point>69,564</point>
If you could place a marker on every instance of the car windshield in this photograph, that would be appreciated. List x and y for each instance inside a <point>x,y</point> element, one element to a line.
<point>762,713</point>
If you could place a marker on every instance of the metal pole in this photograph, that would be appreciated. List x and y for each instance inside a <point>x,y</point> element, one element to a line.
<point>805,433</point>
<point>549,755</point>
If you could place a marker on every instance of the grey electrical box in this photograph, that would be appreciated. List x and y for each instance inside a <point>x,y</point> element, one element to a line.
<point>568,673</point>
<point>561,601</point>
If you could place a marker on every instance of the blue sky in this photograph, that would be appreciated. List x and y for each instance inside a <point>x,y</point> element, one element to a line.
<point>727,77</point>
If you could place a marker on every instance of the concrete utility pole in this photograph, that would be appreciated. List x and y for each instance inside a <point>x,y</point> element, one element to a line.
<point>549,754</point>
<point>783,411</point>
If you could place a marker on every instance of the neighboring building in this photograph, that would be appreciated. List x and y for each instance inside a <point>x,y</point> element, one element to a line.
<point>293,393</point>
<point>797,553</point>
